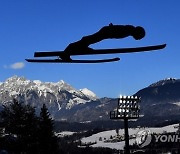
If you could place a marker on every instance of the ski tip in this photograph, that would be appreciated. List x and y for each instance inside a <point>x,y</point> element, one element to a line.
<point>164,45</point>
<point>116,59</point>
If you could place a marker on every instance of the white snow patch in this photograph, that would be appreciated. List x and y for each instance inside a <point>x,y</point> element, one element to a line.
<point>116,145</point>
<point>61,82</point>
<point>12,93</point>
<point>85,122</point>
<point>79,100</point>
<point>72,91</point>
<point>59,106</point>
<point>101,105</point>
<point>88,93</point>
<point>70,104</point>
<point>95,138</point>
<point>177,103</point>
<point>65,133</point>
<point>38,82</point>
<point>75,101</point>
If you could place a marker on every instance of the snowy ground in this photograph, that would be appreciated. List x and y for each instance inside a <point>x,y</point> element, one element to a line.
<point>63,134</point>
<point>101,139</point>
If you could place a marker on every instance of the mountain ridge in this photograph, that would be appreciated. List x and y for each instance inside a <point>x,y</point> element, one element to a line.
<point>159,100</point>
<point>56,96</point>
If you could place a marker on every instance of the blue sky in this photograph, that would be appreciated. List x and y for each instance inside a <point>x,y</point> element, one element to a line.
<point>27,26</point>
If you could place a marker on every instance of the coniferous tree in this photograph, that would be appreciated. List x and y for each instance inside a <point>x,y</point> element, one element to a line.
<point>47,140</point>
<point>20,122</point>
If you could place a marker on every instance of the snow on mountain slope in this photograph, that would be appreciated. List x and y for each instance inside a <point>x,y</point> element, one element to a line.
<point>161,99</point>
<point>88,93</point>
<point>59,94</point>
<point>103,139</point>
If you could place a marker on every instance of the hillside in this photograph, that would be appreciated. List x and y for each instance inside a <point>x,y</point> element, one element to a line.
<point>160,102</point>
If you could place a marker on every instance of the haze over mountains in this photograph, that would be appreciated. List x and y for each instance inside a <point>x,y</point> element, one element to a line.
<point>159,102</point>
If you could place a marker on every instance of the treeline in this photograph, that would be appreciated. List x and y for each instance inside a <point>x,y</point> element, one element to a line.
<point>94,125</point>
<point>108,125</point>
<point>23,131</point>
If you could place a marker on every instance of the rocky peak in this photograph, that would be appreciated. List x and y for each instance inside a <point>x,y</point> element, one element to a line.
<point>15,78</point>
<point>59,94</point>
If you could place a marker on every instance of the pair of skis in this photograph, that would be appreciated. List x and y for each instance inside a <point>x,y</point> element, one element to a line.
<point>91,52</point>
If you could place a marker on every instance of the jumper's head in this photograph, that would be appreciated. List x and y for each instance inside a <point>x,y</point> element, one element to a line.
<point>138,33</point>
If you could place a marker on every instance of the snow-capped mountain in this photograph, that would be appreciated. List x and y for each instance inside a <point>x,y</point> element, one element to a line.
<point>58,95</point>
<point>64,102</point>
<point>160,100</point>
<point>17,85</point>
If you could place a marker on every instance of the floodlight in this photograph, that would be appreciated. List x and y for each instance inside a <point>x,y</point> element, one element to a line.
<point>128,107</point>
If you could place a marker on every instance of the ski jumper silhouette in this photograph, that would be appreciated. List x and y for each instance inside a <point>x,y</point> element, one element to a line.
<point>81,47</point>
<point>106,32</point>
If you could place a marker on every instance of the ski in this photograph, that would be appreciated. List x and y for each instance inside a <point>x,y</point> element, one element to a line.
<point>72,61</point>
<point>100,51</point>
